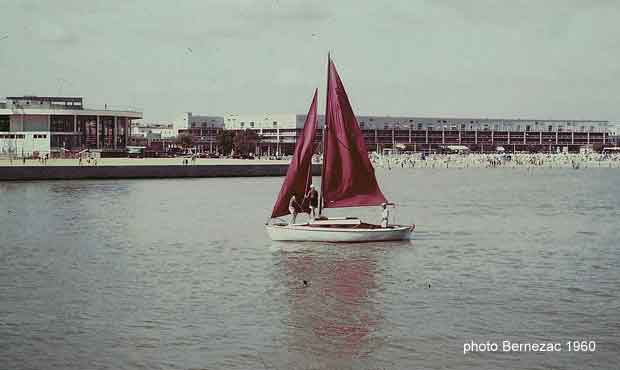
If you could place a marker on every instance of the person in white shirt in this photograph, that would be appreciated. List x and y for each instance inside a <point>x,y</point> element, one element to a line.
<point>385,215</point>
<point>292,208</point>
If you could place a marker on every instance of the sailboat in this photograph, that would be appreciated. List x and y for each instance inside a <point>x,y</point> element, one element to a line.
<point>347,178</point>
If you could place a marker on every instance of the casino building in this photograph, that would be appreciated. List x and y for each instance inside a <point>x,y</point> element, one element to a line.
<point>278,132</point>
<point>31,125</point>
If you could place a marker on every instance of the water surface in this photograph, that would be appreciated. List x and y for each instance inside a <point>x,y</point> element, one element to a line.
<point>179,274</point>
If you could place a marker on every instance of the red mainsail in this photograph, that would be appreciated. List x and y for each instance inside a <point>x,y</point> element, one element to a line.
<point>348,176</point>
<point>299,173</point>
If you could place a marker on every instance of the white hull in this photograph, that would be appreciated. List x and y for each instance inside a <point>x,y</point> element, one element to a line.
<point>307,233</point>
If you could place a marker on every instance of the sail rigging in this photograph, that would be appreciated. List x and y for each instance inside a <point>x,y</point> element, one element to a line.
<point>299,173</point>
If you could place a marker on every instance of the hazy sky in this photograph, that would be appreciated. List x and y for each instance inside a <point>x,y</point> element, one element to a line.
<point>543,59</point>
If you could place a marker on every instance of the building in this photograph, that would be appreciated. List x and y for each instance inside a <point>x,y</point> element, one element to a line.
<point>278,132</point>
<point>203,129</point>
<point>154,131</point>
<point>49,125</point>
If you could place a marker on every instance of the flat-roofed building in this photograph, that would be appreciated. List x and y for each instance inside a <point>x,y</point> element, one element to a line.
<point>49,124</point>
<point>278,132</point>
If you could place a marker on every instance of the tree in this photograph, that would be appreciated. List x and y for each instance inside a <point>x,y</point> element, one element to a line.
<point>225,141</point>
<point>185,141</point>
<point>245,142</point>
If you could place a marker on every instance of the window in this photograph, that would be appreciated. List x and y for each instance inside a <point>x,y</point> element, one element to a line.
<point>419,126</point>
<point>527,128</point>
<point>242,124</point>
<point>251,124</point>
<point>410,120</point>
<point>462,126</point>
<point>550,128</point>
<point>275,123</point>
<point>385,127</point>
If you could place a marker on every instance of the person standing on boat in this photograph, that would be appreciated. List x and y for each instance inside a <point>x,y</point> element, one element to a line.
<point>385,215</point>
<point>292,208</point>
<point>313,195</point>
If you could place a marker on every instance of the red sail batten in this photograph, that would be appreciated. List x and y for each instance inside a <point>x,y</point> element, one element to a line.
<point>299,173</point>
<point>348,176</point>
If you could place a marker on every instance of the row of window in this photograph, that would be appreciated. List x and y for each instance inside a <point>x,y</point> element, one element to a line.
<point>22,136</point>
<point>486,127</point>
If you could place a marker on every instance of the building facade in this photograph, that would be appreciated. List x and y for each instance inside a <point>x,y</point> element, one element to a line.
<point>48,125</point>
<point>278,132</point>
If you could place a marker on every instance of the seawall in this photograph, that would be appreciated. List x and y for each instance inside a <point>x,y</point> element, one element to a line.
<point>26,173</point>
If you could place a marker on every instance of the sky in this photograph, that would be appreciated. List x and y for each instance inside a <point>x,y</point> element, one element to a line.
<point>480,58</point>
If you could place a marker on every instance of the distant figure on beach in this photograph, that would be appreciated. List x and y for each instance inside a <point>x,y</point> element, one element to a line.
<point>193,158</point>
<point>313,195</point>
<point>292,208</point>
<point>385,215</point>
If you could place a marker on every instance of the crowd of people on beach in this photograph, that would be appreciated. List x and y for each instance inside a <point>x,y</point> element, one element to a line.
<point>512,160</point>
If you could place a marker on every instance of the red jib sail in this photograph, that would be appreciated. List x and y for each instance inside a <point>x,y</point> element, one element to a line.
<point>348,176</point>
<point>299,174</point>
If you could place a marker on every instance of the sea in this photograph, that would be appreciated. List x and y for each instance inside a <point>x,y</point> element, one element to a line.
<point>180,274</point>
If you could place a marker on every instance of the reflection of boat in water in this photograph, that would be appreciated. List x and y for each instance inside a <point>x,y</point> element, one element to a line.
<point>347,178</point>
<point>336,318</point>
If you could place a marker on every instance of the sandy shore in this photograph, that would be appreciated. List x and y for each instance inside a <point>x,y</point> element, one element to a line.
<point>574,161</point>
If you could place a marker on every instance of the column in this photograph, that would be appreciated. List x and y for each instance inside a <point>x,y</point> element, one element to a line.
<point>393,141</point>
<point>98,131</point>
<point>524,137</point>
<point>443,136</point>
<point>556,138</point>
<point>604,137</point>
<point>588,137</point>
<point>492,137</point>
<point>409,134</point>
<point>115,131</point>
<point>476,137</point>
<point>572,137</point>
<point>508,137</point>
<point>49,122</point>
<point>540,137</point>
<point>460,137</point>
<point>427,135</point>
<point>127,130</point>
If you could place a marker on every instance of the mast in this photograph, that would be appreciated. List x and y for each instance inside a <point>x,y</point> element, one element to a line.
<point>324,139</point>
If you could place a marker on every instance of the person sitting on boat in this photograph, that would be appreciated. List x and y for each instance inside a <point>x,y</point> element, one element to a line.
<point>385,215</point>
<point>292,208</point>
<point>313,195</point>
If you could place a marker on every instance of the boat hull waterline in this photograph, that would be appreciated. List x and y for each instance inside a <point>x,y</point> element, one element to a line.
<point>307,233</point>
